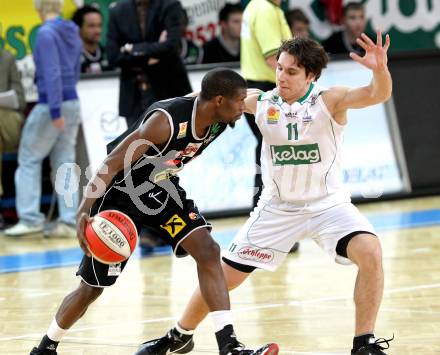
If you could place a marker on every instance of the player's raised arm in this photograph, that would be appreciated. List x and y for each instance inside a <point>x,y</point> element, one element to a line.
<point>379,90</point>
<point>251,99</point>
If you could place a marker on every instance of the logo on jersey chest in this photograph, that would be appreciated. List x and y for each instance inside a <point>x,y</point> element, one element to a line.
<point>273,115</point>
<point>291,114</point>
<point>295,154</point>
<point>189,151</point>
<point>213,133</point>
<point>182,130</point>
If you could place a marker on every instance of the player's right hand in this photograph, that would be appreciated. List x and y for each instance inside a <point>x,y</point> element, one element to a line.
<point>81,223</point>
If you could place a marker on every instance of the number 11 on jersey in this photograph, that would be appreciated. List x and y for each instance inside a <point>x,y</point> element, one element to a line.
<point>292,131</point>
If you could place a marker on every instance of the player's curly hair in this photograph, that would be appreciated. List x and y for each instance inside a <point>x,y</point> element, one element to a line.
<point>221,82</point>
<point>308,53</point>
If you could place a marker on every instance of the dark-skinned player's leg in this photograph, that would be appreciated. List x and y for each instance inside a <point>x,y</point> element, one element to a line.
<point>206,252</point>
<point>73,307</point>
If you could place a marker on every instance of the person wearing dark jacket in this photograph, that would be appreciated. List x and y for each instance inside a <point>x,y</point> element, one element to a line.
<point>52,126</point>
<point>147,51</point>
<point>226,46</point>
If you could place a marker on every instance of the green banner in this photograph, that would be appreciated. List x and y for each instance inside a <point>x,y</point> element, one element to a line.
<point>412,24</point>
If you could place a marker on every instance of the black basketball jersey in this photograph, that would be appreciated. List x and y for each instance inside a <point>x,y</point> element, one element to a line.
<point>182,146</point>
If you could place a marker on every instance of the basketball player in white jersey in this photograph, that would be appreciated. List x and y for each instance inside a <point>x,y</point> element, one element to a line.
<point>302,126</point>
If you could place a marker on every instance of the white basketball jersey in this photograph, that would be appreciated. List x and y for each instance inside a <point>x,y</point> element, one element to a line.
<point>301,152</point>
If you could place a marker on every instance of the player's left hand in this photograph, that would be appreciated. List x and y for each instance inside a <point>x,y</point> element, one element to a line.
<point>375,57</point>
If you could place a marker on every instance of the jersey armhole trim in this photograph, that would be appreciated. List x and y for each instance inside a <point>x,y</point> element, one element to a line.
<point>327,112</point>
<point>170,121</point>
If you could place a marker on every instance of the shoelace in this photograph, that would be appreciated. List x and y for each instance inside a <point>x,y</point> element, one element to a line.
<point>238,348</point>
<point>383,341</point>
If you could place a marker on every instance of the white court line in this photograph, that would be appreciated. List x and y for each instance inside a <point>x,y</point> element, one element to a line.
<point>273,305</point>
<point>382,309</point>
<point>413,288</point>
<point>308,353</point>
<point>81,329</point>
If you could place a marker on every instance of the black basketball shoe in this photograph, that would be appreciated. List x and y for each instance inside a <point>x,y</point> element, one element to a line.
<point>373,348</point>
<point>36,351</point>
<point>237,348</point>
<point>170,343</point>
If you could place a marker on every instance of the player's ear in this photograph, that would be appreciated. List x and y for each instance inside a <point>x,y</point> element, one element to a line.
<point>311,77</point>
<point>218,100</point>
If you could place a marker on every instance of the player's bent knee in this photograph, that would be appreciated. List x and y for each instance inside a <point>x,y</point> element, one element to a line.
<point>365,251</point>
<point>88,293</point>
<point>210,254</point>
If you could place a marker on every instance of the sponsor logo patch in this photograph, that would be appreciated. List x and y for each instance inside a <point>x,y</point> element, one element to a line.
<point>313,99</point>
<point>273,115</point>
<point>114,270</point>
<point>182,130</point>
<point>255,254</point>
<point>291,114</point>
<point>295,154</point>
<point>174,225</point>
<point>307,118</point>
<point>174,166</point>
<point>193,216</point>
<point>190,150</point>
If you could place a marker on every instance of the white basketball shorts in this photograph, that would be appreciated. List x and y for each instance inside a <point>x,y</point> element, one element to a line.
<point>268,235</point>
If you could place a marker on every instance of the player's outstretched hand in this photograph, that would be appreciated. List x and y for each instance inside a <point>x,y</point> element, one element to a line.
<point>81,223</point>
<point>375,57</point>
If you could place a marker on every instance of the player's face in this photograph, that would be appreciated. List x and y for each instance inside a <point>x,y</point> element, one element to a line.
<point>355,22</point>
<point>292,82</point>
<point>231,108</point>
<point>91,29</point>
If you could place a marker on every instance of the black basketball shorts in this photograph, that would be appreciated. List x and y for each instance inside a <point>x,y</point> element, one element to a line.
<point>171,216</point>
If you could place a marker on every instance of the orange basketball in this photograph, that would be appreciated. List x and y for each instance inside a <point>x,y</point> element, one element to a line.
<point>112,236</point>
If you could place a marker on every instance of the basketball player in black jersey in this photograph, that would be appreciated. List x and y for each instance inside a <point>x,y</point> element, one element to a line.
<point>138,177</point>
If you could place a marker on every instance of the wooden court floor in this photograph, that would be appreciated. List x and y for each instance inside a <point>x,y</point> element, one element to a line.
<point>306,306</point>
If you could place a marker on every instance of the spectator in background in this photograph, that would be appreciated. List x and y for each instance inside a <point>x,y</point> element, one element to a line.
<point>12,105</point>
<point>51,127</point>
<point>93,58</point>
<point>299,23</point>
<point>354,23</point>
<point>226,46</point>
<point>190,52</point>
<point>146,48</point>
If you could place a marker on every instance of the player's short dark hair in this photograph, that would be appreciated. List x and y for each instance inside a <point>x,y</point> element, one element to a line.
<point>221,82</point>
<point>227,10</point>
<point>308,53</point>
<point>80,13</point>
<point>297,15</point>
<point>356,6</point>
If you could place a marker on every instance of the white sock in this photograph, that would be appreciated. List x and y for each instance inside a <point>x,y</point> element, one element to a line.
<point>183,331</point>
<point>54,332</point>
<point>221,319</point>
